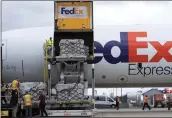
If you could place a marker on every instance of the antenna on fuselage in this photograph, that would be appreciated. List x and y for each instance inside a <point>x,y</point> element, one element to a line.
<point>139,65</point>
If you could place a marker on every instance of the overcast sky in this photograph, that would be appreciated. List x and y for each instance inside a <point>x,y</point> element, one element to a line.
<point>18,14</point>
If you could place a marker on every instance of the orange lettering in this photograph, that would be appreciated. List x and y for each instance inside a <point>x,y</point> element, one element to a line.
<point>162,51</point>
<point>133,45</point>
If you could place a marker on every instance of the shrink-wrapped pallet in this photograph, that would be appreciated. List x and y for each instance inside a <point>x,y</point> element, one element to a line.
<point>34,89</point>
<point>73,47</point>
<point>70,91</point>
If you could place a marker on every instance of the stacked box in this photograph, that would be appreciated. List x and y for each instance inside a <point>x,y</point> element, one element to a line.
<point>73,47</point>
<point>70,91</point>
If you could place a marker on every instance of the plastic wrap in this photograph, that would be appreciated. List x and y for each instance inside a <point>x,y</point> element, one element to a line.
<point>73,47</point>
<point>70,91</point>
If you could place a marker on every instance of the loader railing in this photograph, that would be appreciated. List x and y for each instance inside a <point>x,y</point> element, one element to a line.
<point>47,57</point>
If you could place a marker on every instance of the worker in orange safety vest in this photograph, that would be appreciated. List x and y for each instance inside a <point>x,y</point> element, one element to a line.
<point>28,104</point>
<point>117,102</point>
<point>146,101</point>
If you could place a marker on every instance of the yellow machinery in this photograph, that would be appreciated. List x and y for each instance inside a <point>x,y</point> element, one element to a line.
<point>4,113</point>
<point>66,20</point>
<point>46,61</point>
<point>48,57</point>
<point>73,47</point>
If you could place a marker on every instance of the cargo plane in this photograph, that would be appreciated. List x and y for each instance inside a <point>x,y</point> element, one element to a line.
<point>125,55</point>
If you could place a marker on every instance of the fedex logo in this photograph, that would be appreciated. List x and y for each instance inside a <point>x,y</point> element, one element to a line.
<point>166,91</point>
<point>128,47</point>
<point>71,10</point>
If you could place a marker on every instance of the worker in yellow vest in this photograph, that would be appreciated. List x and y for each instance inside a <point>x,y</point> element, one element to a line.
<point>50,42</point>
<point>28,104</point>
<point>49,45</point>
<point>15,84</point>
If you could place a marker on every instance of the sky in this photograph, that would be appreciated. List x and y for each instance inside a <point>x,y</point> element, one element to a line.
<point>19,14</point>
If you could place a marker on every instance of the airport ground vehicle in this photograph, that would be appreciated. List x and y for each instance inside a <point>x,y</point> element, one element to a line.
<point>103,101</point>
<point>159,100</point>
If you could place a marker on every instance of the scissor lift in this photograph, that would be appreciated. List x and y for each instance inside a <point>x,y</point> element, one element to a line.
<point>73,48</point>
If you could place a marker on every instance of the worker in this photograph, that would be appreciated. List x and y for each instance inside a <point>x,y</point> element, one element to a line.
<point>49,45</point>
<point>117,102</point>
<point>14,102</point>
<point>15,84</point>
<point>146,100</point>
<point>169,103</point>
<point>3,93</point>
<point>28,104</point>
<point>42,104</point>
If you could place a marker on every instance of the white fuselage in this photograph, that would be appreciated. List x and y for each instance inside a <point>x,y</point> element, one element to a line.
<point>23,55</point>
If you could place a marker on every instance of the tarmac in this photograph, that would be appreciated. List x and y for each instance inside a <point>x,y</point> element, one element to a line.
<point>154,112</point>
<point>129,112</point>
<point>132,112</point>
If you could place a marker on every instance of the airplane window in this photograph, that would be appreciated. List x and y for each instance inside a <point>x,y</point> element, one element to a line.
<point>110,100</point>
<point>102,98</point>
<point>96,98</point>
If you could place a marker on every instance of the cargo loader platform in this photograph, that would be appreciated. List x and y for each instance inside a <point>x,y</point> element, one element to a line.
<point>73,47</point>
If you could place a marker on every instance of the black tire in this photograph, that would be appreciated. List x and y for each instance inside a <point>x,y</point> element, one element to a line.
<point>168,108</point>
<point>113,106</point>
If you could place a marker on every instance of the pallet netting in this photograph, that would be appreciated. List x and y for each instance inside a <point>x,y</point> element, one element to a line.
<point>34,89</point>
<point>68,92</point>
<point>74,47</point>
<point>75,91</point>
